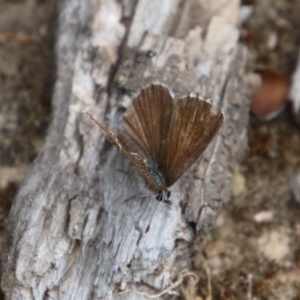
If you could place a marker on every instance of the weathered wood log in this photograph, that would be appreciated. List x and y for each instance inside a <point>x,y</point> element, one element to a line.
<point>294,94</point>
<point>77,227</point>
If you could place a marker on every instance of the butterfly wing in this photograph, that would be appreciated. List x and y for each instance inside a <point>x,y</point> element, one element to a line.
<point>136,160</point>
<point>193,126</point>
<point>146,123</point>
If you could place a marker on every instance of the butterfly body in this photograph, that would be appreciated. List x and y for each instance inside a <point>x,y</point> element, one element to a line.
<point>159,182</point>
<point>156,176</point>
<point>162,136</point>
<point>153,178</point>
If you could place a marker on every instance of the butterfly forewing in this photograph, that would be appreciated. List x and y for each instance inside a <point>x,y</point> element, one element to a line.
<point>193,125</point>
<point>146,123</point>
<point>134,158</point>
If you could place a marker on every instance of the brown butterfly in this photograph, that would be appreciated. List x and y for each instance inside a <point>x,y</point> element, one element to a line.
<point>162,136</point>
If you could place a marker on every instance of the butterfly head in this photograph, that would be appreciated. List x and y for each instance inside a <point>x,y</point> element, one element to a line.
<point>163,196</point>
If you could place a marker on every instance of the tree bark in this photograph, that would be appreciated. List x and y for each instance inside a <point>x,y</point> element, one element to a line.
<point>77,227</point>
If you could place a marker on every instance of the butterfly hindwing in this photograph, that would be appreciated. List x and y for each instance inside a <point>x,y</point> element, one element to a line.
<point>193,125</point>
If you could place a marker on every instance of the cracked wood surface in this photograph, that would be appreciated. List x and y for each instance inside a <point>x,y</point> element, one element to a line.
<point>77,227</point>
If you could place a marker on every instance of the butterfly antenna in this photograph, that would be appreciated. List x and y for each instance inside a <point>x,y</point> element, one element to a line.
<point>148,227</point>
